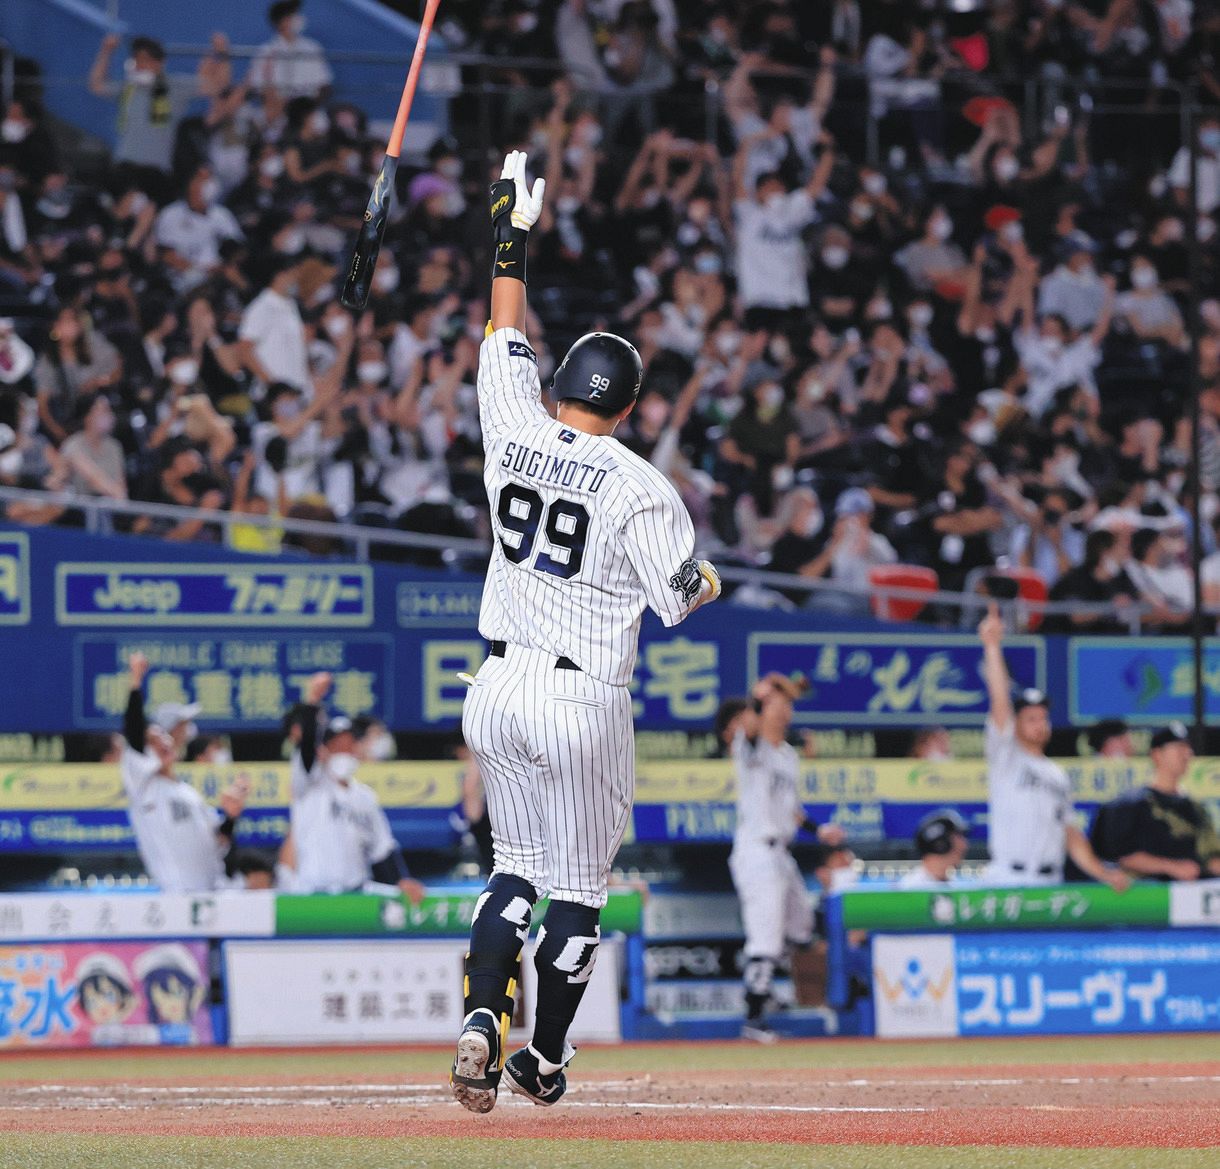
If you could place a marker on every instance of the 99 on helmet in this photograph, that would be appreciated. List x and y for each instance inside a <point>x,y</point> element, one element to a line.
<point>601,369</point>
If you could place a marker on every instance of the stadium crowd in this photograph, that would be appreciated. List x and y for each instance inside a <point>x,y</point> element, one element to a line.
<point>910,284</point>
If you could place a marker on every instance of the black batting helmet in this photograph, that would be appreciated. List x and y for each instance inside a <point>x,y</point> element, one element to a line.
<point>936,831</point>
<point>601,369</point>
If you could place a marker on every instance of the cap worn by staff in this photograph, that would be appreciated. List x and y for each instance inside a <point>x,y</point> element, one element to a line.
<point>339,725</point>
<point>169,715</point>
<point>1029,697</point>
<point>1175,732</point>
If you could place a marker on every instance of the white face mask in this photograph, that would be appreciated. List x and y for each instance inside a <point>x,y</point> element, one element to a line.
<point>942,227</point>
<point>774,201</point>
<point>318,122</point>
<point>209,192</point>
<point>874,184</point>
<point>10,462</point>
<point>271,167</point>
<point>342,766</point>
<point>982,432</point>
<point>1007,168</point>
<point>372,372</point>
<point>297,25</point>
<point>1143,277</point>
<point>1012,232</point>
<point>1206,229</point>
<point>450,168</point>
<point>292,241</point>
<point>338,327</point>
<point>842,879</point>
<point>380,749</point>
<point>727,344</point>
<point>835,256</point>
<point>11,130</point>
<point>862,209</point>
<point>1052,345</point>
<point>921,315</point>
<point>771,398</point>
<point>567,205</point>
<point>184,373</point>
<point>386,279</point>
<point>138,76</point>
<point>812,524</point>
<point>222,758</point>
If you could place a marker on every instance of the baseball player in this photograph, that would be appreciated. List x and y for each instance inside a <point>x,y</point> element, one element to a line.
<point>1158,831</point>
<point>941,841</point>
<point>182,840</point>
<point>341,834</point>
<point>776,908</point>
<point>586,535</point>
<point>1029,798</point>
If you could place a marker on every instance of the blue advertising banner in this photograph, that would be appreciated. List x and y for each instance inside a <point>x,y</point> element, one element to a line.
<point>238,633</point>
<point>1044,982</point>
<point>1147,680</point>
<point>1075,983</point>
<point>907,679</point>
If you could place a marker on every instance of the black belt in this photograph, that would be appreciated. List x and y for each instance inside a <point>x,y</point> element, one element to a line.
<point>499,648</point>
<point>1043,870</point>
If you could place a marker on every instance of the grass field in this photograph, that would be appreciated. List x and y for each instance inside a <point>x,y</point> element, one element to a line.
<point>1139,1102</point>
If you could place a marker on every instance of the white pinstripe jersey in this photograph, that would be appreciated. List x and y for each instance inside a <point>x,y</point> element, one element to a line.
<point>175,827</point>
<point>1029,803</point>
<point>767,800</point>
<point>586,533</point>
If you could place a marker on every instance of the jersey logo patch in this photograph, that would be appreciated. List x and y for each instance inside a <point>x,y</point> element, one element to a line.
<point>688,580</point>
<point>521,349</point>
<point>567,436</point>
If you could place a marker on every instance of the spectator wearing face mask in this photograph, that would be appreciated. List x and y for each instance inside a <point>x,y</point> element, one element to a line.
<point>761,439</point>
<point>1100,580</point>
<point>272,333</point>
<point>1074,291</point>
<point>93,456</point>
<point>772,262</point>
<point>26,145</point>
<point>190,231</point>
<point>290,65</point>
<point>1207,168</point>
<point>1158,570</point>
<point>1049,541</point>
<point>76,364</point>
<point>152,103</point>
<point>1147,310</point>
<point>933,258</point>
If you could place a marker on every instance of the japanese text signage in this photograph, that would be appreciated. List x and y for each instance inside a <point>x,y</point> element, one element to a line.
<point>93,994</point>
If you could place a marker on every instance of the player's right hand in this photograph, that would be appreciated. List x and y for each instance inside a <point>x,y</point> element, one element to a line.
<point>137,664</point>
<point>1118,880</point>
<point>510,195</point>
<point>317,688</point>
<point>712,587</point>
<point>991,628</point>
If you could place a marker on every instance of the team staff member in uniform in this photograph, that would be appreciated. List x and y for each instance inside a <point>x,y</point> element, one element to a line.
<point>1029,797</point>
<point>776,909</point>
<point>182,840</point>
<point>341,835</point>
<point>941,841</point>
<point>586,535</point>
<point>1157,831</point>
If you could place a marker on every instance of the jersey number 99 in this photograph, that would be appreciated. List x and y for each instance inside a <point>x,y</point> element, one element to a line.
<point>521,512</point>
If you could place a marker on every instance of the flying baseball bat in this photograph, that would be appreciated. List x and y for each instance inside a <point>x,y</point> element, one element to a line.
<point>359,280</point>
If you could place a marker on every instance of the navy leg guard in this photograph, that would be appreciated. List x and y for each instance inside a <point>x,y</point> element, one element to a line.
<point>564,960</point>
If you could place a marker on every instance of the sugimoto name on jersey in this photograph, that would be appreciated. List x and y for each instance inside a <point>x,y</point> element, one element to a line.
<point>551,470</point>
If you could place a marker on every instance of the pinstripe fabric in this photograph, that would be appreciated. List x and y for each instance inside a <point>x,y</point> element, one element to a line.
<point>587,536</point>
<point>639,532</point>
<point>556,752</point>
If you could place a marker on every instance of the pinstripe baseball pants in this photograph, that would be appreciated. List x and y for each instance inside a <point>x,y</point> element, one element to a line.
<point>556,751</point>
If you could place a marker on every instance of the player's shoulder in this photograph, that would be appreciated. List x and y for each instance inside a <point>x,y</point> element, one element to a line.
<point>642,484</point>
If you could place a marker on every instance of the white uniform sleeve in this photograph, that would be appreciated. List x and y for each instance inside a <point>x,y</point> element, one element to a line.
<point>998,747</point>
<point>137,771</point>
<point>382,842</point>
<point>301,779</point>
<point>659,540</point>
<point>509,389</point>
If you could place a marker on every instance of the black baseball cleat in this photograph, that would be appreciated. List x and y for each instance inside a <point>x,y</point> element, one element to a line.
<point>526,1078</point>
<point>475,1077</point>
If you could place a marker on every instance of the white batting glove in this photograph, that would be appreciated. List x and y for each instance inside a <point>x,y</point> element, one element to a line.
<point>527,204</point>
<point>711,587</point>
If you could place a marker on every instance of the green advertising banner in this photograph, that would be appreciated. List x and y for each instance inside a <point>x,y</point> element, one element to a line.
<point>1066,906</point>
<point>363,914</point>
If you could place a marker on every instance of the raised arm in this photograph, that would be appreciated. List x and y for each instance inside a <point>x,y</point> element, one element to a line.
<point>98,85</point>
<point>135,725</point>
<point>995,670</point>
<point>514,210</point>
